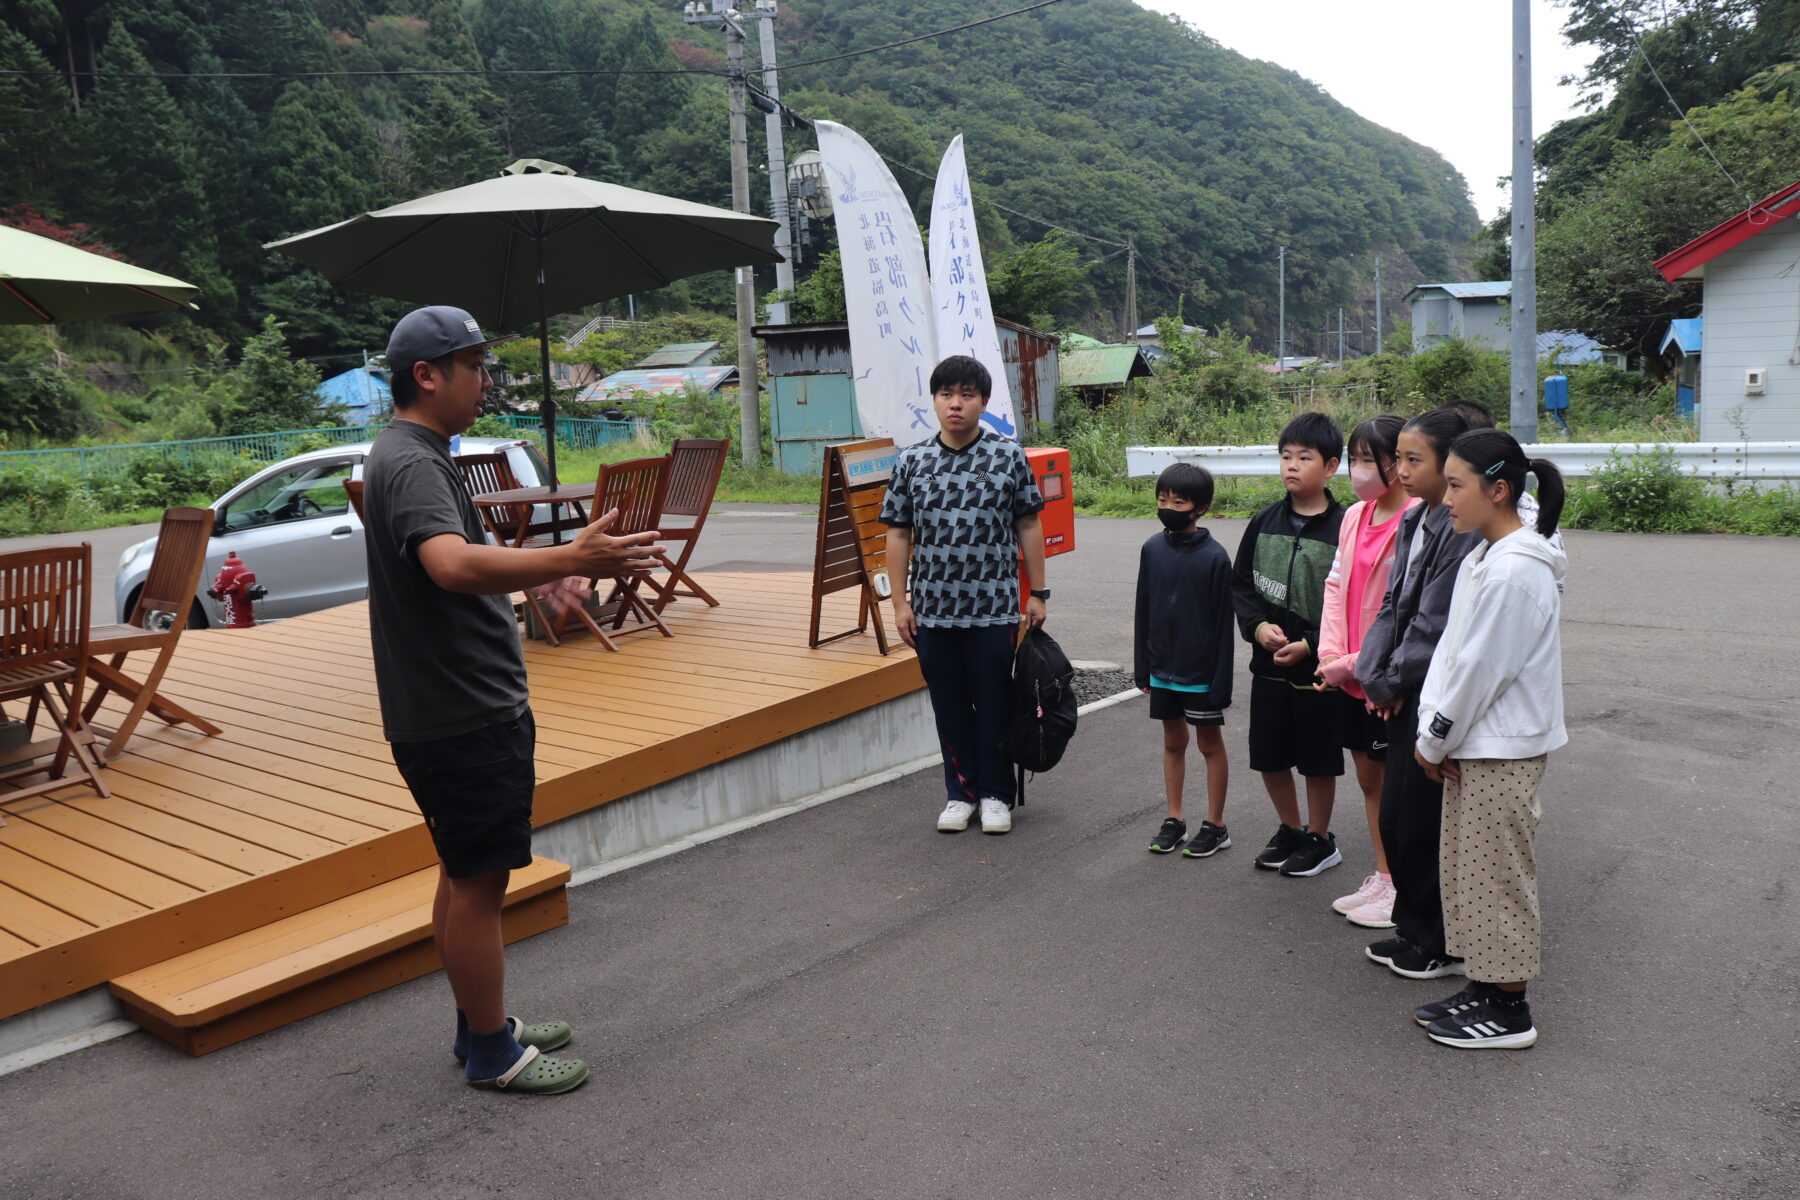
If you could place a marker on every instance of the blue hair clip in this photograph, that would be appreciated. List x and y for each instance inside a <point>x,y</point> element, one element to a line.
<point>1495,469</point>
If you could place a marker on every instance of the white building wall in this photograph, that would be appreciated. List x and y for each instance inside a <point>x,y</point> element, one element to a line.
<point>1752,304</point>
<point>1487,324</point>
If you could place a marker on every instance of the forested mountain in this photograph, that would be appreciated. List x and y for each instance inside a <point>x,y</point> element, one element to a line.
<point>1093,114</point>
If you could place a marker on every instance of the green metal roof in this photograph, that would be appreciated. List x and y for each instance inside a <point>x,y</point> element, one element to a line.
<point>1102,366</point>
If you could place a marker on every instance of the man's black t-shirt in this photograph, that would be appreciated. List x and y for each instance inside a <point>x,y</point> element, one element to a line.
<point>445,663</point>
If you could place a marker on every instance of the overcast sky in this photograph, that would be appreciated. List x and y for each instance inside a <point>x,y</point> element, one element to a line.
<point>1437,71</point>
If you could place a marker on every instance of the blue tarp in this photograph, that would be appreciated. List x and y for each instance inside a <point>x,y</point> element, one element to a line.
<point>363,393</point>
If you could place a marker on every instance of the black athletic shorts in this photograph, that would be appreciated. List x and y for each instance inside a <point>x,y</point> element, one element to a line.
<point>1167,704</point>
<point>1358,728</point>
<point>1293,728</point>
<point>475,791</point>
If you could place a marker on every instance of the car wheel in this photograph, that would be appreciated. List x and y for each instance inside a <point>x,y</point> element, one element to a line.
<point>197,616</point>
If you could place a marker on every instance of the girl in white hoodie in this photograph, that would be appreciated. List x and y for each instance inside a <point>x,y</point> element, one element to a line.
<point>1490,710</point>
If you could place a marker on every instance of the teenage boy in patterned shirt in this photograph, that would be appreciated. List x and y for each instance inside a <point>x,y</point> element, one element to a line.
<point>959,509</point>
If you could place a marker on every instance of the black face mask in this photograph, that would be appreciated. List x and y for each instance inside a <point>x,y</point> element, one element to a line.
<point>1177,520</point>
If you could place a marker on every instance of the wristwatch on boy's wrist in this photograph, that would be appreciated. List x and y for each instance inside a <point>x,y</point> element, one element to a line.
<point>1040,593</point>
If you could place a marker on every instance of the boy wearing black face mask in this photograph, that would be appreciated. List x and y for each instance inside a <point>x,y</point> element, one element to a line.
<point>1183,648</point>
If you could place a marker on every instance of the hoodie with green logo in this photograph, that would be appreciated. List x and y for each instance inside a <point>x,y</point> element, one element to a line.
<point>1278,577</point>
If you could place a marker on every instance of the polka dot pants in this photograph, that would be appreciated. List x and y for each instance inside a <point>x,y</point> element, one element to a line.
<point>1486,867</point>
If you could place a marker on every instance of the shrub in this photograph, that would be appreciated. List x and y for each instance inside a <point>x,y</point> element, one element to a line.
<point>1641,493</point>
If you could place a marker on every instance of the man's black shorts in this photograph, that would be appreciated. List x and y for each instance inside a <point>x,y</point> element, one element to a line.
<point>1196,708</point>
<point>1358,728</point>
<point>475,791</point>
<point>1293,728</point>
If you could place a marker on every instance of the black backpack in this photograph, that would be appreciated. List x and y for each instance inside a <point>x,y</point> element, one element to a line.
<point>1041,719</point>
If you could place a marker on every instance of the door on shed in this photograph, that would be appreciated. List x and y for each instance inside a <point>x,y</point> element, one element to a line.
<point>809,413</point>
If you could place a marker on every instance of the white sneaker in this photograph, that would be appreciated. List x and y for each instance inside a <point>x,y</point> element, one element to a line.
<point>955,817</point>
<point>1360,896</point>
<point>1377,912</point>
<point>996,817</point>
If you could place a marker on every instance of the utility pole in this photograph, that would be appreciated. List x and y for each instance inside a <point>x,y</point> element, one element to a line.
<point>1379,332</point>
<point>1524,236</point>
<point>1340,334</point>
<point>764,15</point>
<point>749,408</point>
<point>1281,319</point>
<point>1131,313</point>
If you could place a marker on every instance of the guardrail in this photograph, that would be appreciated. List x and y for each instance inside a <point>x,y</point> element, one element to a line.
<point>577,433</point>
<point>91,461</point>
<point>1771,461</point>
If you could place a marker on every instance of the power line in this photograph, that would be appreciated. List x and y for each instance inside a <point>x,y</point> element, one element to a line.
<point>813,62</point>
<point>1749,200</point>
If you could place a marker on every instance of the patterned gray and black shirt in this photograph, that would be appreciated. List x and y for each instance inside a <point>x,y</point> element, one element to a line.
<point>960,506</point>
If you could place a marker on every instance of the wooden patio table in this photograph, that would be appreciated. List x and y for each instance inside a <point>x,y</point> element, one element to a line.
<point>572,494</point>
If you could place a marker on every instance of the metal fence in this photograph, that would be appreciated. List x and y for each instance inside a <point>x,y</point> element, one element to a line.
<point>108,462</point>
<point>577,433</point>
<point>93,462</point>
<point>1771,461</point>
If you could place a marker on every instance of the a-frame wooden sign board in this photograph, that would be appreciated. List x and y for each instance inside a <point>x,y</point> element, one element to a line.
<point>852,548</point>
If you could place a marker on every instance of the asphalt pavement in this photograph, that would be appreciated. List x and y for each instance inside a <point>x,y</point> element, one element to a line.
<point>845,1003</point>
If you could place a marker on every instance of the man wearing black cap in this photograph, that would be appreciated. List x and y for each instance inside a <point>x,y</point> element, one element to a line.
<point>451,675</point>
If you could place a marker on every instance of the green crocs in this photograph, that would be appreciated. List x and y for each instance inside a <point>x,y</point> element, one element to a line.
<point>537,1074</point>
<point>545,1035</point>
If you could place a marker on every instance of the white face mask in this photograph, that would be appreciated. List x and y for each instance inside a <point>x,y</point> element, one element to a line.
<point>1367,482</point>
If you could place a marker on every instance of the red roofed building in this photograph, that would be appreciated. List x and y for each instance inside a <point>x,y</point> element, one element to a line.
<point>1750,351</point>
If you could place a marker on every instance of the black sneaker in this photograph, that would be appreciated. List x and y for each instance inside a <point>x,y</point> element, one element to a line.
<point>1209,841</point>
<point>1425,1014</point>
<point>1387,949</point>
<point>1281,847</point>
<point>1318,852</point>
<point>1415,963</point>
<point>1168,837</point>
<point>1486,1025</point>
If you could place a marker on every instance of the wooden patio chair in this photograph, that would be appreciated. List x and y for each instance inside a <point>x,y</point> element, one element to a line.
<point>635,488</point>
<point>155,623</point>
<point>695,465</point>
<point>44,600</point>
<point>353,489</point>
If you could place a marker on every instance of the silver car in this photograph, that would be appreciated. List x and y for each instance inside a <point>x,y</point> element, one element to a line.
<point>292,525</point>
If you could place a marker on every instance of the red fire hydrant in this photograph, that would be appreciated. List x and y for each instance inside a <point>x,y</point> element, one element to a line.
<point>236,588</point>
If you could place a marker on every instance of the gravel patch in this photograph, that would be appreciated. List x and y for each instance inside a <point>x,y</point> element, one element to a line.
<point>1098,685</point>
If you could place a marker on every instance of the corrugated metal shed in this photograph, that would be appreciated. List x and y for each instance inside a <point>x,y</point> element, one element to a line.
<point>1102,366</point>
<point>362,392</point>
<point>681,354</point>
<point>1567,346</point>
<point>659,383</point>
<point>1499,289</point>
<point>1684,335</point>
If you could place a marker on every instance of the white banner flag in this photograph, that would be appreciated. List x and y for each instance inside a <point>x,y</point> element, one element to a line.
<point>887,294</point>
<point>959,291</point>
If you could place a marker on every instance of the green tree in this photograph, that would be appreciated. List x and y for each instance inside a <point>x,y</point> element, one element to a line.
<point>270,391</point>
<point>642,104</point>
<point>37,121</point>
<point>448,144</point>
<point>1032,282</point>
<point>37,399</point>
<point>139,170</point>
<point>539,116</point>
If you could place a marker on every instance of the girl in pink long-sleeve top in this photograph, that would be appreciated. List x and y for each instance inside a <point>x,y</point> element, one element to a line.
<point>1353,594</point>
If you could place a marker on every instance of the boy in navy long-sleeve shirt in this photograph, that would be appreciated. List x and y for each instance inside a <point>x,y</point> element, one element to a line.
<point>1182,650</point>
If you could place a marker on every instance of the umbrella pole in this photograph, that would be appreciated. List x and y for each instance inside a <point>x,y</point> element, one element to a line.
<point>547,405</point>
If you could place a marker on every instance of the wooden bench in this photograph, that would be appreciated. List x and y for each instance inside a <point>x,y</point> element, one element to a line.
<point>221,994</point>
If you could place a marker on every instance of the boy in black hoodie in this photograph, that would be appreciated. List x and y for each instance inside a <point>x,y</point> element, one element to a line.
<point>1182,650</point>
<point>1278,588</point>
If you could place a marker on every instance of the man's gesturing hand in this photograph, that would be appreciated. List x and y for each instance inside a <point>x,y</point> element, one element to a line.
<point>602,556</point>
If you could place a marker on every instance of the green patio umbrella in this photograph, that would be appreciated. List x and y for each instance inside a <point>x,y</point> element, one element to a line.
<point>44,281</point>
<point>539,239</point>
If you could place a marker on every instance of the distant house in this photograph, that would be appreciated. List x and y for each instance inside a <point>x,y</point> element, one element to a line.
<point>674,381</point>
<point>1151,341</point>
<point>681,354</point>
<point>1098,371</point>
<point>1748,380</point>
<point>362,392</point>
<point>1480,313</point>
<point>1680,352</point>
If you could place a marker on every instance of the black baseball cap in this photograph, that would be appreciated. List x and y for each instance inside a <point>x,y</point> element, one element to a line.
<point>432,332</point>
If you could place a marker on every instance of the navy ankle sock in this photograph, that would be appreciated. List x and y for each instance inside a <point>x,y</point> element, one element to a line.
<point>460,1047</point>
<point>492,1054</point>
<point>1505,999</point>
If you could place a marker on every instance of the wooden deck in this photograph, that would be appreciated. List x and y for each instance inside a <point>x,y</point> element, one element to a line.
<point>298,804</point>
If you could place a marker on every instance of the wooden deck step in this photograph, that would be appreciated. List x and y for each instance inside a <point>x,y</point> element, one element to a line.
<point>318,959</point>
